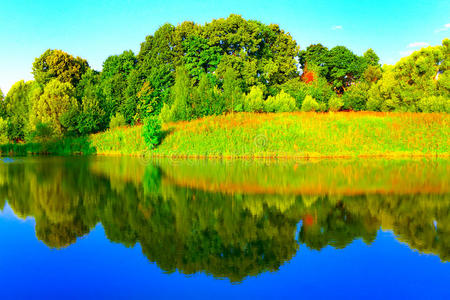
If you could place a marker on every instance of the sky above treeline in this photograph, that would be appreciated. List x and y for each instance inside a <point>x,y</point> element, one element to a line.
<point>97,29</point>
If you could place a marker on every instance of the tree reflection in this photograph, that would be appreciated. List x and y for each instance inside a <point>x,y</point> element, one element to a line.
<point>227,234</point>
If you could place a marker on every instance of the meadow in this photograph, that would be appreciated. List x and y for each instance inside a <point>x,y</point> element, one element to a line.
<point>289,135</point>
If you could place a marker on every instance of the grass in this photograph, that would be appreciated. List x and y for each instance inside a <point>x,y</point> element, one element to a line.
<point>288,135</point>
<point>65,146</point>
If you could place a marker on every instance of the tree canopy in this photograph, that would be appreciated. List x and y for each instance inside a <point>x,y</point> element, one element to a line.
<point>228,65</point>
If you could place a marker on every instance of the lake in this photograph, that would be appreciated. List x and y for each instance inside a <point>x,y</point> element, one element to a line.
<point>105,227</point>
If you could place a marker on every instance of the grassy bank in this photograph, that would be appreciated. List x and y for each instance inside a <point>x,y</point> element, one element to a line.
<point>284,135</point>
<point>290,135</point>
<point>66,146</point>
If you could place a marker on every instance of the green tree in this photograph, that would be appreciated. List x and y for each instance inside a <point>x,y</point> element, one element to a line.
<point>60,65</point>
<point>199,57</point>
<point>412,79</point>
<point>254,100</point>
<point>17,106</point>
<point>149,86</point>
<point>232,92</point>
<point>57,106</point>
<point>371,57</point>
<point>114,80</point>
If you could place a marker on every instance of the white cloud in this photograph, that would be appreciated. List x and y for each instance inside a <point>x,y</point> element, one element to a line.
<point>418,44</point>
<point>443,28</point>
<point>336,27</point>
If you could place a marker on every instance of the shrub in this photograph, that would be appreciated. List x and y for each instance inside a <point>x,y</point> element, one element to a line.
<point>310,104</point>
<point>254,101</point>
<point>335,103</point>
<point>434,104</point>
<point>283,102</point>
<point>152,132</point>
<point>117,121</point>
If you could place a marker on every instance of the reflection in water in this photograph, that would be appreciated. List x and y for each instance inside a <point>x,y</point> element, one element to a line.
<point>231,219</point>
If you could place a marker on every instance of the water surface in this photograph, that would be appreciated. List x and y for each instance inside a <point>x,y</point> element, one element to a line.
<point>93,227</point>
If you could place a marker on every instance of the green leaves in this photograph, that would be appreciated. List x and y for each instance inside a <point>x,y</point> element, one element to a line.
<point>57,64</point>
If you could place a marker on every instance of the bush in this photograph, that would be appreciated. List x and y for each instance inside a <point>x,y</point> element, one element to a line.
<point>152,132</point>
<point>254,101</point>
<point>117,121</point>
<point>310,104</point>
<point>283,102</point>
<point>434,104</point>
<point>335,103</point>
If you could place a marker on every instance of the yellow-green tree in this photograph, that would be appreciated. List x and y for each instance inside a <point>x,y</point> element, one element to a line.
<point>57,107</point>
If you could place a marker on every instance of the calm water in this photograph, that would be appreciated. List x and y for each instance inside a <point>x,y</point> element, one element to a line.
<point>129,228</point>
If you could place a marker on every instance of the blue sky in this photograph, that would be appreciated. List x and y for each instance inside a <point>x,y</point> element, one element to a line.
<point>96,29</point>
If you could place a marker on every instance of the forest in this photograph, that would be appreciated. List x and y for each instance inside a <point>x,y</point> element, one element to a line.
<point>229,65</point>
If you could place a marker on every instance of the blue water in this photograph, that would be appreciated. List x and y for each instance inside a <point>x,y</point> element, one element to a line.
<point>99,265</point>
<point>94,267</point>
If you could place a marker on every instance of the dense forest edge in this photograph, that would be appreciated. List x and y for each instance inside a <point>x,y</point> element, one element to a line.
<point>246,89</point>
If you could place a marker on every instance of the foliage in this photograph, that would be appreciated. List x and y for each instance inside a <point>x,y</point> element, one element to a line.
<point>113,82</point>
<point>232,92</point>
<point>181,108</point>
<point>355,97</point>
<point>117,121</point>
<point>3,131</point>
<point>335,103</point>
<point>310,104</point>
<point>412,79</point>
<point>254,100</point>
<point>339,66</point>
<point>17,106</point>
<point>57,64</point>
<point>434,104</point>
<point>199,57</point>
<point>282,102</point>
<point>57,106</point>
<point>152,132</point>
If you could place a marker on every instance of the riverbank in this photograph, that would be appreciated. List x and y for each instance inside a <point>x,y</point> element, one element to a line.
<point>284,135</point>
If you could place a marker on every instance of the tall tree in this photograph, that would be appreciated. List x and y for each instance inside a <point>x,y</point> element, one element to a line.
<point>60,65</point>
<point>17,106</point>
<point>114,77</point>
<point>57,107</point>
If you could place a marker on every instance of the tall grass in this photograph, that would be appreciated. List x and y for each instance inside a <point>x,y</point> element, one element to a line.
<point>290,135</point>
<point>65,146</point>
<point>280,135</point>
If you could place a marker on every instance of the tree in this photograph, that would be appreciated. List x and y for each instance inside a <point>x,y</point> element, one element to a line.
<point>92,116</point>
<point>232,92</point>
<point>412,79</point>
<point>17,106</point>
<point>181,108</point>
<point>199,57</point>
<point>114,78</point>
<point>254,100</point>
<point>339,66</point>
<point>150,84</point>
<point>57,106</point>
<point>371,57</point>
<point>60,65</point>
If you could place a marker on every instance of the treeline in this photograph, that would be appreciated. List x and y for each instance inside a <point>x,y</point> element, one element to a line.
<point>228,65</point>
